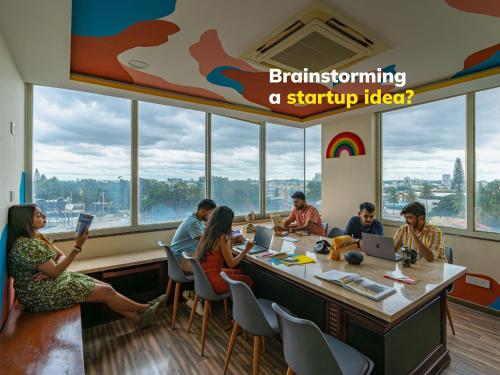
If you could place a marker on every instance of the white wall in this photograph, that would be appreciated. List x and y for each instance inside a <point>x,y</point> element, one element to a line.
<point>11,146</point>
<point>348,181</point>
<point>119,244</point>
<point>11,153</point>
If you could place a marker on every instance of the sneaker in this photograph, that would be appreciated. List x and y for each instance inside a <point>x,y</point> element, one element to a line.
<point>199,309</point>
<point>148,317</point>
<point>188,295</point>
<point>161,301</point>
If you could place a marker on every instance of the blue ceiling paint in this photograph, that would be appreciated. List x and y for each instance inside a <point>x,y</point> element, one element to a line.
<point>110,17</point>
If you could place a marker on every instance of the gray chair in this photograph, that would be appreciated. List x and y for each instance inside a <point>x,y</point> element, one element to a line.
<point>203,289</point>
<point>336,232</point>
<point>325,227</point>
<point>448,253</point>
<point>254,315</point>
<point>308,351</point>
<point>175,274</point>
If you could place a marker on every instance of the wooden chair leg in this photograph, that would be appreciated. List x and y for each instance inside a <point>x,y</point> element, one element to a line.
<point>256,354</point>
<point>263,344</point>
<point>448,312</point>
<point>176,302</point>
<point>289,371</point>
<point>226,308</point>
<point>206,308</point>
<point>169,288</point>
<point>193,309</point>
<point>232,340</point>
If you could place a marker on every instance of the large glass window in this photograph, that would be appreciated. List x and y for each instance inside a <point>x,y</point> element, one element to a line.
<point>423,159</point>
<point>487,112</point>
<point>171,162</point>
<point>284,165</point>
<point>81,158</point>
<point>313,165</point>
<point>235,164</point>
<point>82,161</point>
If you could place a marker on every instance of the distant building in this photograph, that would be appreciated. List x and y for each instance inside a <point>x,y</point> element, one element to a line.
<point>446,180</point>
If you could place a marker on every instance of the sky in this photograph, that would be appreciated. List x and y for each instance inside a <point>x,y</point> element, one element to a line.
<point>423,141</point>
<point>81,135</point>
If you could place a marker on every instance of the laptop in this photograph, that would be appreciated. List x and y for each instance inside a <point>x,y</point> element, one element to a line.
<point>379,246</point>
<point>262,240</point>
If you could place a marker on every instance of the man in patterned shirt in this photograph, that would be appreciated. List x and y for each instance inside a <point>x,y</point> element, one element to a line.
<point>417,234</point>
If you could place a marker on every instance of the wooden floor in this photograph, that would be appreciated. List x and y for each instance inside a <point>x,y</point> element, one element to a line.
<point>119,348</point>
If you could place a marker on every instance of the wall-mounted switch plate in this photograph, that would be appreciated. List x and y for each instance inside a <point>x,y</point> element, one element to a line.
<point>478,281</point>
<point>12,195</point>
<point>12,127</point>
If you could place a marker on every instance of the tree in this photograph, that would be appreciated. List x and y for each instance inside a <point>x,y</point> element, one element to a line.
<point>411,196</point>
<point>426,193</point>
<point>457,183</point>
<point>313,189</point>
<point>451,205</point>
<point>391,196</point>
<point>489,204</point>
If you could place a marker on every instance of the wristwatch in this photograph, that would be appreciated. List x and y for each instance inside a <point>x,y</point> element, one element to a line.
<point>78,249</point>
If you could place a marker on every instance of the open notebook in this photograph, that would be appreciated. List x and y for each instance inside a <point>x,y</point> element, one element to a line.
<point>357,284</point>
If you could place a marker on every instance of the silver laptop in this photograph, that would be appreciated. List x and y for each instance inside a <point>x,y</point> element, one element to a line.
<point>262,239</point>
<point>379,246</point>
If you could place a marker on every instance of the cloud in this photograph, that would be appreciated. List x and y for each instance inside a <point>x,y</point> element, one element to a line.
<point>313,151</point>
<point>423,141</point>
<point>82,135</point>
<point>426,127</point>
<point>65,117</point>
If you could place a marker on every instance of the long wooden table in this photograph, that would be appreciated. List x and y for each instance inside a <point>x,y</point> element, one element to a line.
<point>403,334</point>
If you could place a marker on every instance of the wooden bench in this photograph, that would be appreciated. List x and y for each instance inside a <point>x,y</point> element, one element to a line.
<point>42,343</point>
<point>111,262</point>
<point>139,275</point>
<point>51,342</point>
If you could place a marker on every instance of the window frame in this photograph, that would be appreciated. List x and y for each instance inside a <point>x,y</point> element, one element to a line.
<point>469,168</point>
<point>135,227</point>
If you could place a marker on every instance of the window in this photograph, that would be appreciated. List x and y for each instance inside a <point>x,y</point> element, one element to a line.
<point>423,156</point>
<point>487,138</point>
<point>171,162</point>
<point>284,166</point>
<point>81,158</point>
<point>84,147</point>
<point>235,164</point>
<point>313,166</point>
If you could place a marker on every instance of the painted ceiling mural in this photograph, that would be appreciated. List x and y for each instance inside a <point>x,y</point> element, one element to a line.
<point>152,44</point>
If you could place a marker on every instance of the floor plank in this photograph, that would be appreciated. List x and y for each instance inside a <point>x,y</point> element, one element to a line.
<point>119,348</point>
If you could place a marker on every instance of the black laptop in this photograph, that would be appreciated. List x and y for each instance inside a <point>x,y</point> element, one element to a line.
<point>262,240</point>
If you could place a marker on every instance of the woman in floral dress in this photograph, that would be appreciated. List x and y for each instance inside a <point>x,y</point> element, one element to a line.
<point>41,281</point>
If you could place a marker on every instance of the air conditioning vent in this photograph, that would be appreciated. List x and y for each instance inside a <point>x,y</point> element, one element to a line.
<point>278,38</point>
<point>348,32</point>
<point>319,38</point>
<point>315,52</point>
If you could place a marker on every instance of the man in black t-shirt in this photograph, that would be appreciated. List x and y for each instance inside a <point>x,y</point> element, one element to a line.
<point>365,222</point>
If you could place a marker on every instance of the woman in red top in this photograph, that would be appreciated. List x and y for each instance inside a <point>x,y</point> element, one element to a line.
<point>215,249</point>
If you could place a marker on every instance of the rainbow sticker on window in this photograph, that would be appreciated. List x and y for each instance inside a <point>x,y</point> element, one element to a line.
<point>346,141</point>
